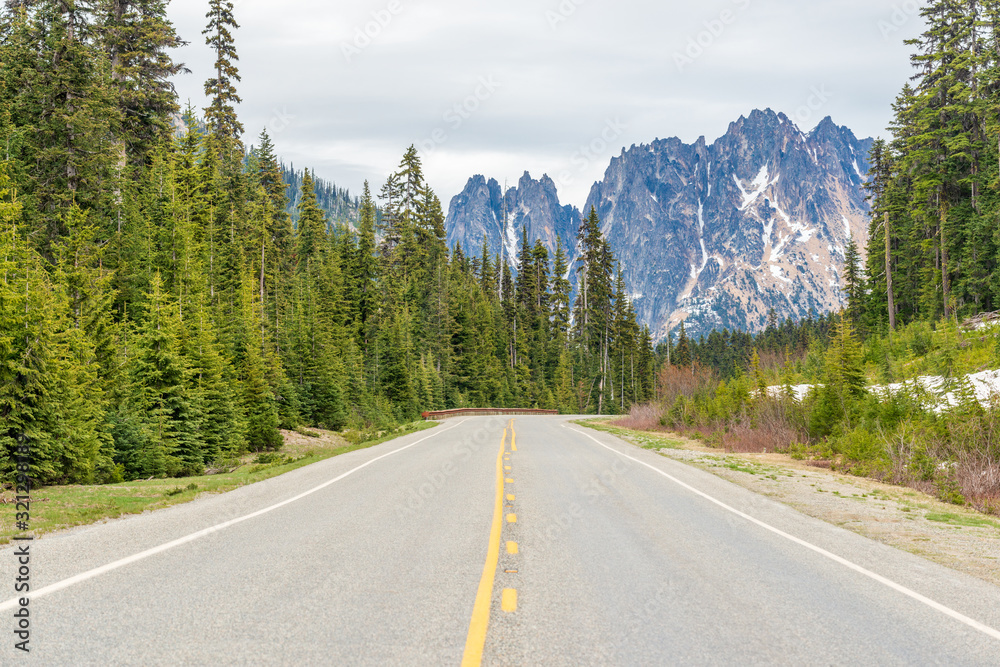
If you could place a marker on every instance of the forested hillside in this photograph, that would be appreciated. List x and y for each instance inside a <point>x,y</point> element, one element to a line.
<point>935,181</point>
<point>160,310</point>
<point>899,386</point>
<point>337,203</point>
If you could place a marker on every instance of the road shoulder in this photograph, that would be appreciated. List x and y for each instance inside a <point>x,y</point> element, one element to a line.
<point>57,509</point>
<point>953,536</point>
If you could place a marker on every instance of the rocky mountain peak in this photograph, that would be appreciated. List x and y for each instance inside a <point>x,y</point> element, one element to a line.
<point>715,234</point>
<point>482,209</point>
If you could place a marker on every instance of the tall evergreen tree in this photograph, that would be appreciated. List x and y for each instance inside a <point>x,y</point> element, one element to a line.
<point>137,38</point>
<point>221,89</point>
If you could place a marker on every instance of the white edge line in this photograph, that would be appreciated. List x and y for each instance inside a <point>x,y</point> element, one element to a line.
<point>98,571</point>
<point>985,629</point>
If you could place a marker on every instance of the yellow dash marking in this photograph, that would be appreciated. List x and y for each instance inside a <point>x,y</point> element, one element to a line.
<point>510,497</point>
<point>512,548</point>
<point>508,601</point>
<point>506,467</point>
<point>476,639</point>
<point>510,481</point>
<point>511,518</point>
<point>513,437</point>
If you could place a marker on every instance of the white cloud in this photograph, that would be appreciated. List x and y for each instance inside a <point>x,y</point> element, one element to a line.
<point>352,120</point>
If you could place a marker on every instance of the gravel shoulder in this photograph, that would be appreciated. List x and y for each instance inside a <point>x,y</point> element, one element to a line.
<point>953,536</point>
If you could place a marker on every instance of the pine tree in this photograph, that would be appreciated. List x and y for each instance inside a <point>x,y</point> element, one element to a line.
<point>64,112</point>
<point>560,290</point>
<point>366,268</point>
<point>161,394</point>
<point>258,400</point>
<point>843,380</point>
<point>681,356</point>
<point>137,37</point>
<point>312,225</point>
<point>879,266</point>
<point>221,89</point>
<point>853,283</point>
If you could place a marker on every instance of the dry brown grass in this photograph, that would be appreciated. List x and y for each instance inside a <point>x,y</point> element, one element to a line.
<point>769,425</point>
<point>760,439</point>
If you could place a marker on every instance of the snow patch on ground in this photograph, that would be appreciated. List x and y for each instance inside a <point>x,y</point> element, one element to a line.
<point>847,227</point>
<point>798,392</point>
<point>936,393</point>
<point>985,326</point>
<point>940,395</point>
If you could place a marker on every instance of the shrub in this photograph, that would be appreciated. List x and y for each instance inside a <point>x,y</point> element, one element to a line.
<point>642,418</point>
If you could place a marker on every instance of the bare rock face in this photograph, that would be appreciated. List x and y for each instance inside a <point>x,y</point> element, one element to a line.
<point>481,209</point>
<point>715,235</point>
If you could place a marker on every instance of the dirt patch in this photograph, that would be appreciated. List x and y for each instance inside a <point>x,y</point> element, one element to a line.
<point>956,537</point>
<point>299,444</point>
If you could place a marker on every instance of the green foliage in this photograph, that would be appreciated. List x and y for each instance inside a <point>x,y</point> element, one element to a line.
<point>934,180</point>
<point>221,89</point>
<point>163,313</point>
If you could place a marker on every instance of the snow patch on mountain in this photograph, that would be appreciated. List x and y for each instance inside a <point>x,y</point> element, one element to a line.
<point>759,184</point>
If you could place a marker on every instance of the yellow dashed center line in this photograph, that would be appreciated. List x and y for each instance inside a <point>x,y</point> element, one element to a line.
<point>476,639</point>
<point>508,601</point>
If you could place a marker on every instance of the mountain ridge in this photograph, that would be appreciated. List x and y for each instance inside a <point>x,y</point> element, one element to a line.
<point>717,234</point>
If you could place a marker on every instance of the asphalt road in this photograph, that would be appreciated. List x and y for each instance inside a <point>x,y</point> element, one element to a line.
<point>378,557</point>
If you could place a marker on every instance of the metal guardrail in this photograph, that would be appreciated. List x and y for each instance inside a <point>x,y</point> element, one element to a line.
<point>485,412</point>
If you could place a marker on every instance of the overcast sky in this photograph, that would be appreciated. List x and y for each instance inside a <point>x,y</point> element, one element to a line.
<point>547,86</point>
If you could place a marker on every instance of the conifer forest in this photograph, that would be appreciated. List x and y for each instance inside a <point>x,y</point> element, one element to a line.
<point>168,300</point>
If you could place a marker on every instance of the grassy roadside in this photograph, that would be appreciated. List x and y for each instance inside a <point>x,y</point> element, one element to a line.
<point>59,507</point>
<point>773,465</point>
<point>643,439</point>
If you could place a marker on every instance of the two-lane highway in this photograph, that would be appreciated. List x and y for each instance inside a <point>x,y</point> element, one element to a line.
<point>527,542</point>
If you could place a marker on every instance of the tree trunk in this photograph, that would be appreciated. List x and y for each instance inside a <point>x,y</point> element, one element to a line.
<point>888,276</point>
<point>945,285</point>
